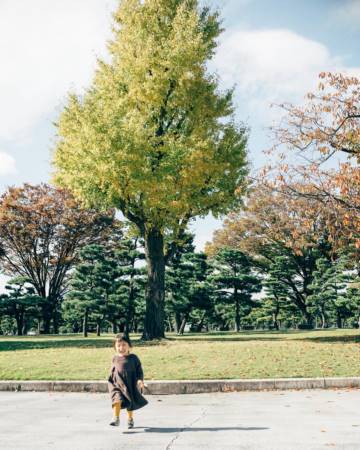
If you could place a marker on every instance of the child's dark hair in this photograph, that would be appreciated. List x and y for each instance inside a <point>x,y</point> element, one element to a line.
<point>122,337</point>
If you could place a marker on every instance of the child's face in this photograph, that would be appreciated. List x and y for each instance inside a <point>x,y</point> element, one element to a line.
<point>122,347</point>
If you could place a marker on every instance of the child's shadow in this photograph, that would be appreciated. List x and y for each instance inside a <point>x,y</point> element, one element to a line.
<point>181,430</point>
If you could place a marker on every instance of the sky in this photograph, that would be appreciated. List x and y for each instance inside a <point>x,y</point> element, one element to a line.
<point>271,51</point>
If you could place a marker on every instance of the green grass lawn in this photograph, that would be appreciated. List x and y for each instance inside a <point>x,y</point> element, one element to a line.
<point>192,356</point>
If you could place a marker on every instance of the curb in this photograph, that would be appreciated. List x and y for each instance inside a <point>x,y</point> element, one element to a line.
<point>171,387</point>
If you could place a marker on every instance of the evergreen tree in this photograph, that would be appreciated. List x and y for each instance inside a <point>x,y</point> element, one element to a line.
<point>91,285</point>
<point>129,284</point>
<point>21,303</point>
<point>188,291</point>
<point>353,296</point>
<point>106,285</point>
<point>329,290</point>
<point>294,274</point>
<point>277,294</point>
<point>235,281</point>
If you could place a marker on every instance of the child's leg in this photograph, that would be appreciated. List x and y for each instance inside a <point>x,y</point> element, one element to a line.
<point>116,412</point>
<point>130,419</point>
<point>116,409</point>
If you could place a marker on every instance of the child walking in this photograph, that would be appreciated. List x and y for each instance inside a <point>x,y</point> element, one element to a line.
<point>126,381</point>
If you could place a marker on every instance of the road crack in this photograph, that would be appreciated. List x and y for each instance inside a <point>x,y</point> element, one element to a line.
<point>203,413</point>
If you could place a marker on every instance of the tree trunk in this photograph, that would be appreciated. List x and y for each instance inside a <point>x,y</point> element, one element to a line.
<point>19,323</point>
<point>46,322</point>
<point>275,321</point>
<point>85,323</point>
<point>55,322</point>
<point>114,327</point>
<point>170,325</point>
<point>177,322</point>
<point>130,306</point>
<point>237,311</point>
<point>224,326</point>
<point>135,325</point>
<point>47,315</point>
<point>275,317</point>
<point>155,289</point>
<point>201,323</point>
<point>323,320</point>
<point>98,328</point>
<point>309,321</point>
<point>338,320</point>
<point>25,324</point>
<point>183,323</point>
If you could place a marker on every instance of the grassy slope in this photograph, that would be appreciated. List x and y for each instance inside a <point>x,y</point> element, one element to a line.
<point>193,356</point>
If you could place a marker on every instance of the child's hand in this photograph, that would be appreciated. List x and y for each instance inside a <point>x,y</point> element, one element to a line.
<point>141,385</point>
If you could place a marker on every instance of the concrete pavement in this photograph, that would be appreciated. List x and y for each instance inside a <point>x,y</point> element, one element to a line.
<point>272,420</point>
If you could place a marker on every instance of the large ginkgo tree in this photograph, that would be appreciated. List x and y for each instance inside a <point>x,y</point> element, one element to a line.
<point>153,135</point>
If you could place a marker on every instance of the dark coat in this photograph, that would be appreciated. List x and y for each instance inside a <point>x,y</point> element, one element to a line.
<point>122,382</point>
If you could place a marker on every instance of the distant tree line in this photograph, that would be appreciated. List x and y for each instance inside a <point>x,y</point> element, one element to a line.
<point>274,265</point>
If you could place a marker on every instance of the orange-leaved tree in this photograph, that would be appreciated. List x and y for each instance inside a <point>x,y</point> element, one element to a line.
<point>326,127</point>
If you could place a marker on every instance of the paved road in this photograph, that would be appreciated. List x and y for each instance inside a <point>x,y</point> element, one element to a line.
<point>288,420</point>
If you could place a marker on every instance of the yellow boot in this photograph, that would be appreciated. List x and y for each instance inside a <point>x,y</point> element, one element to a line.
<point>116,418</point>
<point>130,419</point>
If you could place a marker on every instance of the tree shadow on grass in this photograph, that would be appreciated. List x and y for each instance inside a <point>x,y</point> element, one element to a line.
<point>24,343</point>
<point>226,339</point>
<point>245,336</point>
<point>10,343</point>
<point>242,333</point>
<point>343,339</point>
<point>228,336</point>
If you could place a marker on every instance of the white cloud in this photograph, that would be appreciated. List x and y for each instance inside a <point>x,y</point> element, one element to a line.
<point>46,48</point>
<point>7,164</point>
<point>274,65</point>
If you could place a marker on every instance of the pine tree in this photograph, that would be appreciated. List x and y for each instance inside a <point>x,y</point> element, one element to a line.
<point>128,289</point>
<point>91,285</point>
<point>353,296</point>
<point>187,287</point>
<point>21,303</point>
<point>235,281</point>
<point>277,295</point>
<point>329,288</point>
